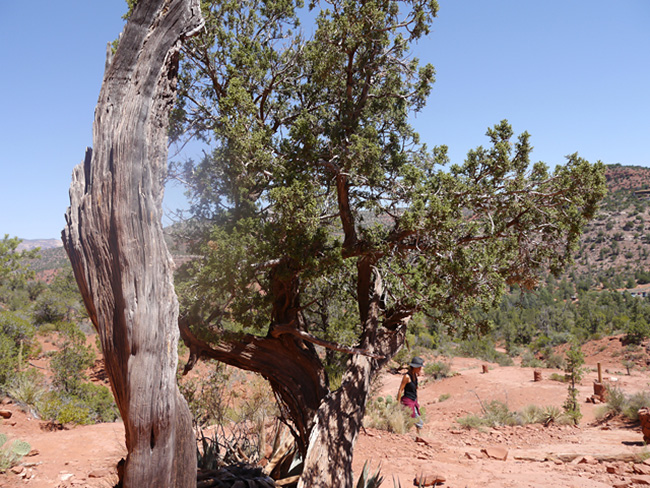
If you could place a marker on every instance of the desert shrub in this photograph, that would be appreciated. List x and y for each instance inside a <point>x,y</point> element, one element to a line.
<point>562,378</point>
<point>483,348</point>
<point>497,413</point>
<point>64,409</point>
<point>11,453</point>
<point>616,400</point>
<point>529,360</point>
<point>68,364</point>
<point>636,331</point>
<point>554,361</point>
<point>49,308</point>
<point>531,414</point>
<point>99,399</point>
<point>444,396</point>
<point>389,415</point>
<point>26,388</point>
<point>472,421</point>
<point>16,336</point>
<point>634,403</point>
<point>438,370</point>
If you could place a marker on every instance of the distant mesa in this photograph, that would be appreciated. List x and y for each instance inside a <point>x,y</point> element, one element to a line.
<point>28,244</point>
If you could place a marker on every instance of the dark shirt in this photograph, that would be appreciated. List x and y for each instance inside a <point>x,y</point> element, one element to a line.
<point>411,388</point>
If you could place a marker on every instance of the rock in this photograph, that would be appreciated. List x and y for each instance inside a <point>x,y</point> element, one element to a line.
<point>422,441</point>
<point>66,476</point>
<point>5,414</point>
<point>498,453</point>
<point>33,452</point>
<point>17,469</point>
<point>99,473</point>
<point>624,484</point>
<point>640,480</point>
<point>469,455</point>
<point>641,469</point>
<point>429,480</point>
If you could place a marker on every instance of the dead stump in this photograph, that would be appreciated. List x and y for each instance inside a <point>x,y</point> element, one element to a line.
<point>644,418</point>
<point>485,368</point>
<point>537,375</point>
<point>600,392</point>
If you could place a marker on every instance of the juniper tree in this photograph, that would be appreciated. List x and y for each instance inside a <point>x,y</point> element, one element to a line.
<point>321,219</point>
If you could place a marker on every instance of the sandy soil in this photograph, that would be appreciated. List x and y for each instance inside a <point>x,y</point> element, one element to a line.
<point>593,455</point>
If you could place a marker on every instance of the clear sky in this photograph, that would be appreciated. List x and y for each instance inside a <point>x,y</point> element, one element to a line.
<point>573,73</point>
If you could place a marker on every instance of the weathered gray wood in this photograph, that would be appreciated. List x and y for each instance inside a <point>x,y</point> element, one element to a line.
<point>115,243</point>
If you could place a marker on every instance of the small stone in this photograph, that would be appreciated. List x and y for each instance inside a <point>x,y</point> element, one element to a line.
<point>498,453</point>
<point>640,480</point>
<point>5,414</point>
<point>66,476</point>
<point>17,469</point>
<point>641,469</point>
<point>33,452</point>
<point>469,455</point>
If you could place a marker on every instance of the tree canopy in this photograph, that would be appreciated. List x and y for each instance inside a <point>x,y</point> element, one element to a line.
<point>318,210</point>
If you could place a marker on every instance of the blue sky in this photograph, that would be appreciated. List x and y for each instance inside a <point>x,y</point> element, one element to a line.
<point>573,73</point>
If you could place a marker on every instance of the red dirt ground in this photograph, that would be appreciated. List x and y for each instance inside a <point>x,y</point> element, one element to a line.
<point>593,455</point>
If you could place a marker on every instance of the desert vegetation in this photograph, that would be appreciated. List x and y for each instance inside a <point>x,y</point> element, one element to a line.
<point>327,243</point>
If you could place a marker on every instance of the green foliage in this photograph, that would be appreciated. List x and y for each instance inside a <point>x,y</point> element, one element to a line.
<point>496,413</point>
<point>529,360</point>
<point>483,348</point>
<point>574,362</point>
<point>16,335</point>
<point>91,404</point>
<point>14,271</point>
<point>618,403</point>
<point>11,454</point>
<point>636,331</point>
<point>70,361</point>
<point>438,370</point>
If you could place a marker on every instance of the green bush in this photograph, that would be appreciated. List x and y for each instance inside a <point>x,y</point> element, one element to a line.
<point>528,360</point>
<point>438,370</point>
<point>16,337</point>
<point>68,364</point>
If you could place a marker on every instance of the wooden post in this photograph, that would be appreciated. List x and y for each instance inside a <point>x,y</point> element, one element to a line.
<point>485,368</point>
<point>537,375</point>
<point>600,374</point>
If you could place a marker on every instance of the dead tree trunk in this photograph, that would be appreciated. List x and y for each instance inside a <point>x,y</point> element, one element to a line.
<point>115,243</point>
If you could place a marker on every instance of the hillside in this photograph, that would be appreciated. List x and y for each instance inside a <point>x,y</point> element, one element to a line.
<point>616,242</point>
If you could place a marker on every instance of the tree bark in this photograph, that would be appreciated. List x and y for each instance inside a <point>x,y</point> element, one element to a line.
<point>328,463</point>
<point>114,240</point>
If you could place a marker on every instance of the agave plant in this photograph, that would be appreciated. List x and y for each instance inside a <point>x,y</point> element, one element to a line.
<point>370,481</point>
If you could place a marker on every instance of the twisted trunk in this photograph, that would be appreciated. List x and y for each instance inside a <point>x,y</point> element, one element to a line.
<point>114,240</point>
